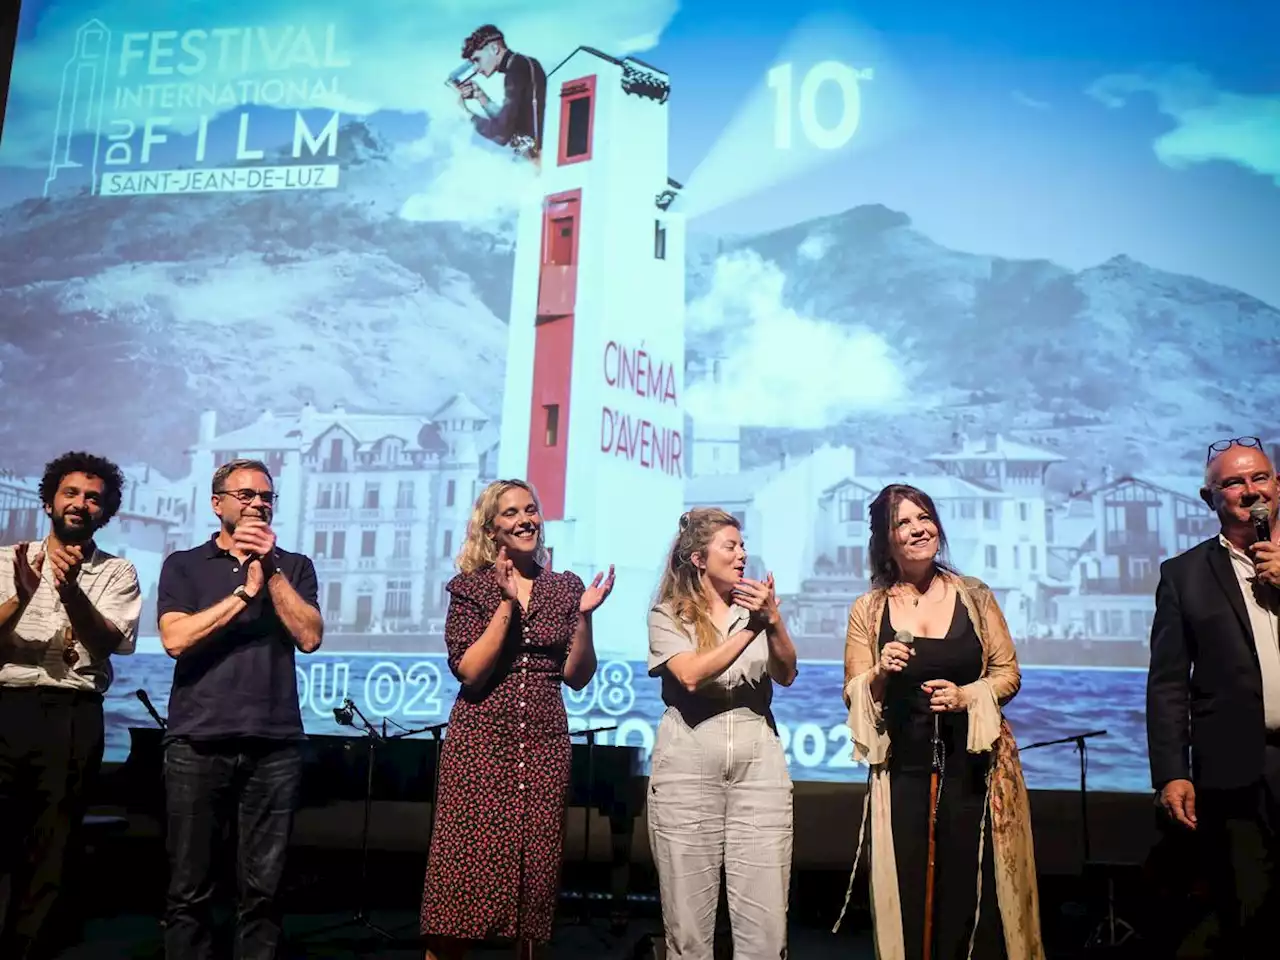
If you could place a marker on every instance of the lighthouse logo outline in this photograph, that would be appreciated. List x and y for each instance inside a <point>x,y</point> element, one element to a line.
<point>80,103</point>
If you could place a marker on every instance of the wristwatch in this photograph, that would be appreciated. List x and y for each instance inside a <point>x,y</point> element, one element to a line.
<point>241,593</point>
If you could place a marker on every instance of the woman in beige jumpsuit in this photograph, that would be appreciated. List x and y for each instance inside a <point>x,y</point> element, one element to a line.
<point>719,791</point>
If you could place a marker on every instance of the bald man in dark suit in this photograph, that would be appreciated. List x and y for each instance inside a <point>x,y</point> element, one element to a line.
<point>1213,695</point>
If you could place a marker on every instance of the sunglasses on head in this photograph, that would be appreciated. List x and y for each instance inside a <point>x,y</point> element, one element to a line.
<point>1222,446</point>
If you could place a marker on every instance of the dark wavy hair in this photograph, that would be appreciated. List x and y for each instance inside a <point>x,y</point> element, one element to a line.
<point>55,471</point>
<point>481,37</point>
<point>884,569</point>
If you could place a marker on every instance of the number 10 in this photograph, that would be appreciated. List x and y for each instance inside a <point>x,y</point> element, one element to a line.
<point>822,137</point>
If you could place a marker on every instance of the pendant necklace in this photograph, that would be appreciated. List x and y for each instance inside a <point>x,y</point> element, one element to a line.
<point>920,596</point>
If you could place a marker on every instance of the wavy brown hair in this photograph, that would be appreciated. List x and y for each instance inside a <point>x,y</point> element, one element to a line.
<point>680,589</point>
<point>478,550</point>
<point>883,510</point>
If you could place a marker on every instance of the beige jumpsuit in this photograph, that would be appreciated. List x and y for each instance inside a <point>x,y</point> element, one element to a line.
<point>719,794</point>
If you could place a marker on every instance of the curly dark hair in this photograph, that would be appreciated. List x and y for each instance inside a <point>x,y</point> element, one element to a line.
<point>481,37</point>
<point>884,569</point>
<point>79,462</point>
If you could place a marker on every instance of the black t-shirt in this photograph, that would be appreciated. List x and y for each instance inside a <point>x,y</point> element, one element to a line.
<point>240,681</point>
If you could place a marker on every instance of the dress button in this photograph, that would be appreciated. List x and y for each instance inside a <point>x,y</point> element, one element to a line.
<point>522,786</point>
<point>522,703</point>
<point>520,765</point>
<point>522,746</point>
<point>522,727</point>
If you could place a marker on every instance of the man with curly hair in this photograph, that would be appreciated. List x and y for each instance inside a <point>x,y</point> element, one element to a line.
<point>65,608</point>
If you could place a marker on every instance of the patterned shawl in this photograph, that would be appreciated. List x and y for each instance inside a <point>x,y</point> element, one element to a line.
<point>1008,810</point>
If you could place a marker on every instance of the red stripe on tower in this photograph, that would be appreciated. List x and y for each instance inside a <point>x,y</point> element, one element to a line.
<point>553,351</point>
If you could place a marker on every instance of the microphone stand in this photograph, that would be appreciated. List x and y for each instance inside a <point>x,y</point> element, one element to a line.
<point>1112,930</point>
<point>145,700</point>
<point>586,814</point>
<point>436,745</point>
<point>935,786</point>
<point>345,716</point>
<point>1079,740</point>
<point>435,730</point>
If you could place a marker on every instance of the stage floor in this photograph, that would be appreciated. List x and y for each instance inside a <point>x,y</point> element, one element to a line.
<point>138,938</point>
<point>122,881</point>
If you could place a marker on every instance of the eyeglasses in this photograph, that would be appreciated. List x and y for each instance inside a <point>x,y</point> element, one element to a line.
<point>1221,446</point>
<point>247,496</point>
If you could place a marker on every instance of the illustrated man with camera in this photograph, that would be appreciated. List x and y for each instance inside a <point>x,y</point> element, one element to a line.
<point>517,121</point>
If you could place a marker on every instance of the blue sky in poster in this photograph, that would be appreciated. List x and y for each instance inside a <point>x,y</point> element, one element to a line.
<point>998,128</point>
<point>1031,126</point>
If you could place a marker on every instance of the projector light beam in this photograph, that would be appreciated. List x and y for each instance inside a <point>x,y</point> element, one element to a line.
<point>830,91</point>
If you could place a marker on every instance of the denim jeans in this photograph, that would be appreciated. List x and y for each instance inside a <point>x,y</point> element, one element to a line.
<point>253,785</point>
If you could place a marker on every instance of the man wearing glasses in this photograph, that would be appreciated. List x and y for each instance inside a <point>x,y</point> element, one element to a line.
<point>1213,692</point>
<point>232,612</point>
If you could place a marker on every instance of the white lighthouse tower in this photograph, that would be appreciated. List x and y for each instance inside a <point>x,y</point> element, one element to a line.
<point>592,412</point>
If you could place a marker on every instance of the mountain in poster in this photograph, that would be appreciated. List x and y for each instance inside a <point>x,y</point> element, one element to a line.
<point>123,319</point>
<point>1119,364</point>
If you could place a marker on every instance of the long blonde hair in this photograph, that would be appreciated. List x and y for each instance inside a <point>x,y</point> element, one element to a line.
<point>680,589</point>
<point>478,550</point>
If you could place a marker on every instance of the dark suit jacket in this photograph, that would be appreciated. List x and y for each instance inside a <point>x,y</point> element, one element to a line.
<point>1204,686</point>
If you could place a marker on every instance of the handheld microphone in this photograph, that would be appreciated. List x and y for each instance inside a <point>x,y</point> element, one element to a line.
<point>1260,514</point>
<point>146,702</point>
<point>906,638</point>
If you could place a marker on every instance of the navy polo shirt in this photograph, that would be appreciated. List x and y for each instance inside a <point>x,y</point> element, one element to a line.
<point>239,681</point>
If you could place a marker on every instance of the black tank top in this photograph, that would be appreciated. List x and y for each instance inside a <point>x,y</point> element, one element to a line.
<point>956,657</point>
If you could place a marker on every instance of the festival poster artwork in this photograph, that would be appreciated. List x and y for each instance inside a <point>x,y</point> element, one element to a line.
<point>649,264</point>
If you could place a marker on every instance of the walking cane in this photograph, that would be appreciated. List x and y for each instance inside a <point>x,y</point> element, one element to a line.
<point>935,784</point>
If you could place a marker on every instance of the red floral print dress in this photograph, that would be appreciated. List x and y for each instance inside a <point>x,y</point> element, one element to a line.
<point>494,865</point>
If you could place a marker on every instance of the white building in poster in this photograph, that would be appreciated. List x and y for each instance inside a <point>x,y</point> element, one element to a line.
<point>778,505</point>
<point>153,511</point>
<point>379,501</point>
<point>592,411</point>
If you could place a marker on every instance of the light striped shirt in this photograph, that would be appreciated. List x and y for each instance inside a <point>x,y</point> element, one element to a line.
<point>34,652</point>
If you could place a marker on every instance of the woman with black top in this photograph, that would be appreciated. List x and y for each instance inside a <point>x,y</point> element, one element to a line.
<point>929,650</point>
